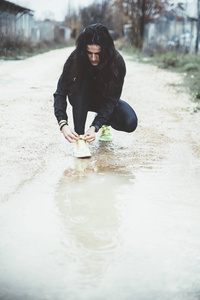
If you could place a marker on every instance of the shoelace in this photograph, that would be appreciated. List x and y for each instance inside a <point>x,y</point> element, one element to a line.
<point>81,143</point>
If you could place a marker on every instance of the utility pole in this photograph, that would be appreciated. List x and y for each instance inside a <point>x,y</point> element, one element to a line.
<point>198,27</point>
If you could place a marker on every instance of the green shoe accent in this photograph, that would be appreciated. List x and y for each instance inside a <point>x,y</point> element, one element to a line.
<point>105,134</point>
<point>81,149</point>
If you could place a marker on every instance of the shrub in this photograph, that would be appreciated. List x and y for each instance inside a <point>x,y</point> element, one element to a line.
<point>16,47</point>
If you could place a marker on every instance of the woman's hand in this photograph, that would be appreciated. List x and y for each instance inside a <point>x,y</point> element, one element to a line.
<point>90,135</point>
<point>69,134</point>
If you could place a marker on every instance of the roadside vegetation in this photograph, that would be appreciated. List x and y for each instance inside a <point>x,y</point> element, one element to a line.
<point>16,49</point>
<point>187,64</point>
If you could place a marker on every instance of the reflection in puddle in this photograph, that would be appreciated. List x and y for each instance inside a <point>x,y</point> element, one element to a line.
<point>90,219</point>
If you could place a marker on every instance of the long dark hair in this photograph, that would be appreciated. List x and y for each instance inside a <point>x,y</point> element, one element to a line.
<point>107,71</point>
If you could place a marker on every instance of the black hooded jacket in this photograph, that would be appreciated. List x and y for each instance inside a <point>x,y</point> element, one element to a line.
<point>108,104</point>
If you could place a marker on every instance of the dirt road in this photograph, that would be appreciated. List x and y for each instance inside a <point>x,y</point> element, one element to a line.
<point>123,224</point>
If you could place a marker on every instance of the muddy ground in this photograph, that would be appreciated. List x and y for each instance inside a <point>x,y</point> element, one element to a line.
<point>141,192</point>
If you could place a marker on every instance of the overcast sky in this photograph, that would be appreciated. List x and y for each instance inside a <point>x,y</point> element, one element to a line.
<point>51,9</point>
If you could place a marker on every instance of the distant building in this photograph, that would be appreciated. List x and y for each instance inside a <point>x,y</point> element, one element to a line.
<point>176,29</point>
<point>18,22</point>
<point>15,20</point>
<point>49,30</point>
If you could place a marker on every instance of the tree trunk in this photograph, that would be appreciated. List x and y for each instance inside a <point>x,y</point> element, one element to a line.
<point>142,23</point>
<point>198,27</point>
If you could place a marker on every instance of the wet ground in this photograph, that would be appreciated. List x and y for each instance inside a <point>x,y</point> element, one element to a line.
<point>124,224</point>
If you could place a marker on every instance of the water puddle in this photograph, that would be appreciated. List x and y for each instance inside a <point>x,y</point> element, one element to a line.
<point>88,233</point>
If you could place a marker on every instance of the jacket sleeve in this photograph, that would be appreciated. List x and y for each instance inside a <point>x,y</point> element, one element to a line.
<point>60,95</point>
<point>111,101</point>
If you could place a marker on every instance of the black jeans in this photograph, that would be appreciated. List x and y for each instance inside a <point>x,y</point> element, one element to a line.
<point>123,117</point>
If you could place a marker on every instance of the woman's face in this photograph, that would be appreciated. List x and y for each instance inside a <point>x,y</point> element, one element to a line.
<point>93,52</point>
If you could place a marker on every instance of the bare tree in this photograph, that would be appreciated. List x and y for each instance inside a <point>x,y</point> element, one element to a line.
<point>72,20</point>
<point>119,15</point>
<point>96,13</point>
<point>138,13</point>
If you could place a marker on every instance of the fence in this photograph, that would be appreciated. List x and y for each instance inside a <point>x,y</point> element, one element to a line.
<point>49,30</point>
